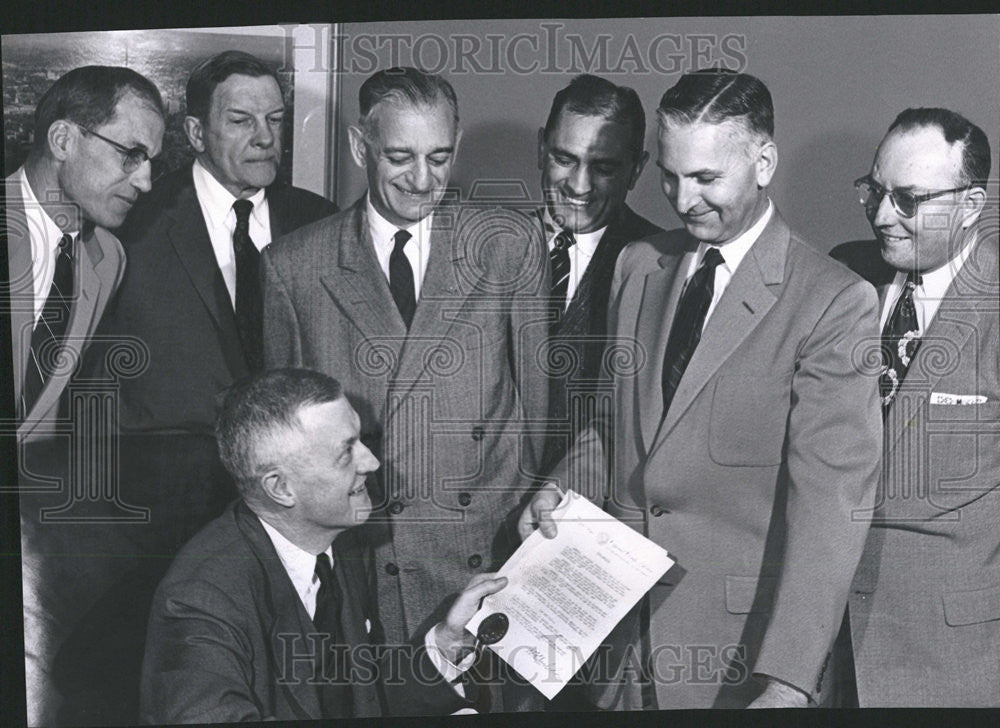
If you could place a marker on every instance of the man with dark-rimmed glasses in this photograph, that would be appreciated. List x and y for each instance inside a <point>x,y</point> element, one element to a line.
<point>924,610</point>
<point>96,130</point>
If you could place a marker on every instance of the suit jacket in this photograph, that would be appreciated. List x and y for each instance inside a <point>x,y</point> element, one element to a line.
<point>97,272</point>
<point>770,444</point>
<point>174,300</point>
<point>451,408</point>
<point>580,335</point>
<point>229,639</point>
<point>925,604</point>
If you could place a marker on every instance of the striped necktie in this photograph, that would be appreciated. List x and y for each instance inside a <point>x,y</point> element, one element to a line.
<point>559,259</point>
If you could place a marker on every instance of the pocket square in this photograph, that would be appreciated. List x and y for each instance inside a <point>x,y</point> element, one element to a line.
<point>944,398</point>
<point>368,625</point>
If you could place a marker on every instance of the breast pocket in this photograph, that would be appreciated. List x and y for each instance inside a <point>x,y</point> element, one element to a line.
<point>749,418</point>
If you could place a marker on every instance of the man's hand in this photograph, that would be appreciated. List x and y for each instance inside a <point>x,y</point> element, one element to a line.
<point>779,695</point>
<point>538,513</point>
<point>450,635</point>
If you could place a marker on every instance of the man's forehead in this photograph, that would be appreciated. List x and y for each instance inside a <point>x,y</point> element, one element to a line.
<point>136,123</point>
<point>400,119</point>
<point>239,90</point>
<point>918,157</point>
<point>593,131</point>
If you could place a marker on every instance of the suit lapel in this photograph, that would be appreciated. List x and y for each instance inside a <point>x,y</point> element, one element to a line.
<point>21,290</point>
<point>743,305</point>
<point>660,297</point>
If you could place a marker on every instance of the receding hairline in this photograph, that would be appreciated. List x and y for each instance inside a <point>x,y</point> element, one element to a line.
<point>399,101</point>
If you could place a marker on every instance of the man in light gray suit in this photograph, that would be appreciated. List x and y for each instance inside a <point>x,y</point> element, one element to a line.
<point>434,319</point>
<point>925,603</point>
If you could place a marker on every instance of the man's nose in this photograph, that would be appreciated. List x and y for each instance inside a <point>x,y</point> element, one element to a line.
<point>142,177</point>
<point>885,213</point>
<point>578,182</point>
<point>263,135</point>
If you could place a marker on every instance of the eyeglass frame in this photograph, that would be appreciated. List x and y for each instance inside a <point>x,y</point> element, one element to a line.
<point>881,192</point>
<point>135,153</point>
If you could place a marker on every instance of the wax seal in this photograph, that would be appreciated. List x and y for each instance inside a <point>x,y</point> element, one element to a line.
<point>493,628</point>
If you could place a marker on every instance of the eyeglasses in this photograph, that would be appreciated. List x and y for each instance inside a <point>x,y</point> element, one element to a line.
<point>870,193</point>
<point>132,158</point>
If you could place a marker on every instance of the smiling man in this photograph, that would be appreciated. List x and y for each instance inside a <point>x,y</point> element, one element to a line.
<point>590,153</point>
<point>433,317</point>
<point>747,440</point>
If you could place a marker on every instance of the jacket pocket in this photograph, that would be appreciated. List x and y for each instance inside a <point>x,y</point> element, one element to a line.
<point>748,420</point>
<point>971,607</point>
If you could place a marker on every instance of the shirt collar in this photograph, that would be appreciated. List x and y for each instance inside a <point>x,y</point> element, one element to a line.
<point>217,201</point>
<point>383,231</point>
<point>300,564</point>
<point>585,242</point>
<point>38,219</point>
<point>736,249</point>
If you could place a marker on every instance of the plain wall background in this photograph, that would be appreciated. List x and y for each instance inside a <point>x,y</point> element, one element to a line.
<point>837,84</point>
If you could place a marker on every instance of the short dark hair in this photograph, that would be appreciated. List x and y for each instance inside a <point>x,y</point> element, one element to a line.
<point>718,95</point>
<point>403,84</point>
<point>88,96</point>
<point>956,130</point>
<point>257,409</point>
<point>595,96</point>
<point>209,74</point>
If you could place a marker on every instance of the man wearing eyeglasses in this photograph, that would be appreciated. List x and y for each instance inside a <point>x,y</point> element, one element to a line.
<point>924,610</point>
<point>95,129</point>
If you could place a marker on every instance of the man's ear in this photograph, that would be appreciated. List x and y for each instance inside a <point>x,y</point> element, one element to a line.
<point>274,484</point>
<point>767,162</point>
<point>359,148</point>
<point>62,137</point>
<point>195,132</point>
<point>637,168</point>
<point>542,146</point>
<point>975,200</point>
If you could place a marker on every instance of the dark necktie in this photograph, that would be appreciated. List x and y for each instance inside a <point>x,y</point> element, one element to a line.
<point>900,340</point>
<point>50,330</point>
<point>401,278</point>
<point>685,333</point>
<point>248,298</point>
<point>559,259</point>
<point>336,693</point>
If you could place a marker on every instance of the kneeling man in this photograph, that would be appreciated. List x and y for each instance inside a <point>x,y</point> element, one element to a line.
<point>270,611</point>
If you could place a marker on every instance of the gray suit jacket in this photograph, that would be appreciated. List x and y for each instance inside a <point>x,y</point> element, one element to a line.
<point>453,408</point>
<point>925,604</point>
<point>751,479</point>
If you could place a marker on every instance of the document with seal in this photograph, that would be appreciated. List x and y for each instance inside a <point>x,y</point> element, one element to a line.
<point>565,595</point>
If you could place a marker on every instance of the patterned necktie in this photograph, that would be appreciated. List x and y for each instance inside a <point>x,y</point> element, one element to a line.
<point>248,297</point>
<point>900,340</point>
<point>50,330</point>
<point>685,333</point>
<point>559,259</point>
<point>401,278</point>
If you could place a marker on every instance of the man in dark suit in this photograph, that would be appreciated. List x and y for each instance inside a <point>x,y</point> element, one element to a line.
<point>95,130</point>
<point>269,613</point>
<point>746,441</point>
<point>924,608</point>
<point>591,154</point>
<point>183,294</point>
<point>434,319</point>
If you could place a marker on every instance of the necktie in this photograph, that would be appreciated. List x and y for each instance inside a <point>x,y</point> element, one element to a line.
<point>900,340</point>
<point>401,278</point>
<point>559,259</point>
<point>248,298</point>
<point>685,333</point>
<point>50,330</point>
<point>336,692</point>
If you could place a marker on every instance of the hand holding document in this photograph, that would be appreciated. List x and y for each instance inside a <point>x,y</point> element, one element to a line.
<point>565,594</point>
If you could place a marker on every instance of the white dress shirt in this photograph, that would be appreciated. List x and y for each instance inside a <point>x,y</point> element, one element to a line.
<point>579,255</point>
<point>417,249</point>
<point>300,565</point>
<point>220,218</point>
<point>44,236</point>
<point>732,253</point>
<point>927,296</point>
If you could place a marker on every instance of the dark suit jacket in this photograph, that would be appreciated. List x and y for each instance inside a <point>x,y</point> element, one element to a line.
<point>173,300</point>
<point>579,341</point>
<point>229,637</point>
<point>925,603</point>
<point>449,407</point>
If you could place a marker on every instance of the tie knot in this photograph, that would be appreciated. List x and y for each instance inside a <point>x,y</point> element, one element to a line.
<point>564,240</point>
<point>324,571</point>
<point>914,279</point>
<point>242,208</point>
<point>713,258</point>
<point>401,238</point>
<point>66,245</point>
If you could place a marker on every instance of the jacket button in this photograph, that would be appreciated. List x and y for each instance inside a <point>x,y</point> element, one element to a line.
<point>475,561</point>
<point>391,569</point>
<point>657,511</point>
<point>478,432</point>
<point>464,499</point>
<point>395,508</point>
